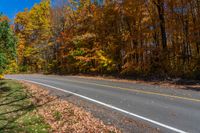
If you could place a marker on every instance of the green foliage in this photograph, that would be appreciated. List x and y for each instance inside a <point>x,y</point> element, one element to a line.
<point>7,44</point>
<point>57,115</point>
<point>3,62</point>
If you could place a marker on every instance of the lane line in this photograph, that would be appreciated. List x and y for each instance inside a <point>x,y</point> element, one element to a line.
<point>112,107</point>
<point>135,90</point>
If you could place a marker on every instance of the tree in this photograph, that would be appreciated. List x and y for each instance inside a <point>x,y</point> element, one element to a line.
<point>33,31</point>
<point>124,37</point>
<point>7,44</point>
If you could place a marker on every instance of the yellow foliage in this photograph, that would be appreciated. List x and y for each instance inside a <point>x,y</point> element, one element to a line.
<point>12,68</point>
<point>1,76</point>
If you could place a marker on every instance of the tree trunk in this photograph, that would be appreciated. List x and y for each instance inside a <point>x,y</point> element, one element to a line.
<point>160,8</point>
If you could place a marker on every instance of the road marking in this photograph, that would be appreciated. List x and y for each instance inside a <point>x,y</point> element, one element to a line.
<point>112,107</point>
<point>136,90</point>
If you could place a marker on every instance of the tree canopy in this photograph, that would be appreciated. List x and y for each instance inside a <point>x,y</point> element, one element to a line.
<point>7,43</point>
<point>124,37</point>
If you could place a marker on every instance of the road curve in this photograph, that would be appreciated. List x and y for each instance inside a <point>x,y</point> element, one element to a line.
<point>171,110</point>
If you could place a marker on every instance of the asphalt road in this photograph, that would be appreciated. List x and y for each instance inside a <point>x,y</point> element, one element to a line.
<point>171,110</point>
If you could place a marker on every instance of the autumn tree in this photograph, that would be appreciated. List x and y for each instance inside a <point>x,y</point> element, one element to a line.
<point>158,38</point>
<point>33,30</point>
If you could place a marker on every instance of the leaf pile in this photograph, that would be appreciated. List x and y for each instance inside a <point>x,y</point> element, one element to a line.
<point>63,116</point>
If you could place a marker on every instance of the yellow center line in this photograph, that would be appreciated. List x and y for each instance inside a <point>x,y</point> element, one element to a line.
<point>138,91</point>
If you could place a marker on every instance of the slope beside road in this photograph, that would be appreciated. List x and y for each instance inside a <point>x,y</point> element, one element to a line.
<point>169,109</point>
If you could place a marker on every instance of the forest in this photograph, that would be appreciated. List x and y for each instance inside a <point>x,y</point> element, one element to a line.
<point>8,43</point>
<point>137,38</point>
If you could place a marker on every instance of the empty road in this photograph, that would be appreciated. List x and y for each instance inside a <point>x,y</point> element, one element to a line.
<point>171,110</point>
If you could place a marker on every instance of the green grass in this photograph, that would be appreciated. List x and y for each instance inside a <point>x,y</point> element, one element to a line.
<point>17,110</point>
<point>57,115</point>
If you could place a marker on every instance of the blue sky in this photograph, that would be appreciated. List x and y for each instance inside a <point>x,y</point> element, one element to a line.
<point>11,7</point>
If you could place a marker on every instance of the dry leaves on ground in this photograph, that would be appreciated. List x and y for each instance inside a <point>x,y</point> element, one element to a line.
<point>63,116</point>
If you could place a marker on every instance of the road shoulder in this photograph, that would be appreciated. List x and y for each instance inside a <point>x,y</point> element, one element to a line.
<point>64,116</point>
<point>108,116</point>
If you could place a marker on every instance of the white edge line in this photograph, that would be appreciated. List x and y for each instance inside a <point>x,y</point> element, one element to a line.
<point>112,107</point>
